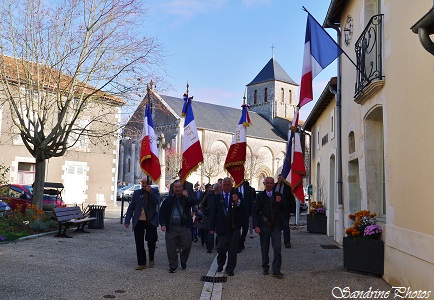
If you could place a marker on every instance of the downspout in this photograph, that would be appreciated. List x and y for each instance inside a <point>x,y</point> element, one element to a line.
<point>337,92</point>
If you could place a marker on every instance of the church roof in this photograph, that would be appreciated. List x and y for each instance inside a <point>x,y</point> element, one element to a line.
<point>272,71</point>
<point>225,119</point>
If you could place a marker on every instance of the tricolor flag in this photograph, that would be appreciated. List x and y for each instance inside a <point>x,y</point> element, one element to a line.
<point>149,161</point>
<point>320,50</point>
<point>236,157</point>
<point>191,149</point>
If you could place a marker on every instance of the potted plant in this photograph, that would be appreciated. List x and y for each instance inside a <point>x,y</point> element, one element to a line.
<point>317,219</point>
<point>363,248</point>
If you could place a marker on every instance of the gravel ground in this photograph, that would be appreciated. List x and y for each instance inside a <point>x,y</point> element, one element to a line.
<point>100,265</point>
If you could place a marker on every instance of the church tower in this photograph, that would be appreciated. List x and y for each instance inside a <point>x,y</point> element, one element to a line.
<point>273,95</point>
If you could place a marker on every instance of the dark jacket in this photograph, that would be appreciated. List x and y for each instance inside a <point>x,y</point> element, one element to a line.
<point>249,197</point>
<point>168,206</point>
<point>267,212</point>
<point>288,198</point>
<point>142,199</point>
<point>206,207</point>
<point>222,222</point>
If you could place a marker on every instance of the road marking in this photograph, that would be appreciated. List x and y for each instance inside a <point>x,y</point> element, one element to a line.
<point>212,291</point>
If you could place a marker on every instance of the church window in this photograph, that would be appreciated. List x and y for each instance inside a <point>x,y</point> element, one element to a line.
<point>266,95</point>
<point>290,97</point>
<point>282,95</point>
<point>255,97</point>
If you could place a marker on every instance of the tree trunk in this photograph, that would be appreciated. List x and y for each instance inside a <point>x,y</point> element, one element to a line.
<point>38,186</point>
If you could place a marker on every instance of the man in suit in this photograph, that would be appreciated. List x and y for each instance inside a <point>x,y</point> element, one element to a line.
<point>288,199</point>
<point>267,216</point>
<point>143,210</point>
<point>225,221</point>
<point>249,195</point>
<point>175,220</point>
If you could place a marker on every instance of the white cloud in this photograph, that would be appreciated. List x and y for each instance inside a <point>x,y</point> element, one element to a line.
<point>255,2</point>
<point>188,8</point>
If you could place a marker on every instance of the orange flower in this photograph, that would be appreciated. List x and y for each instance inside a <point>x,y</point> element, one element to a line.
<point>352,217</point>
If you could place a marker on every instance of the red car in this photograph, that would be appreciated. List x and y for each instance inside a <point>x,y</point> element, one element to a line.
<point>15,194</point>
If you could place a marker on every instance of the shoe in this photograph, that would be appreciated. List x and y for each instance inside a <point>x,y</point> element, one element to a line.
<point>230,273</point>
<point>265,272</point>
<point>288,245</point>
<point>219,268</point>
<point>195,240</point>
<point>277,275</point>
<point>140,267</point>
<point>183,266</point>
<point>172,270</point>
<point>252,236</point>
<point>208,251</point>
<point>151,264</point>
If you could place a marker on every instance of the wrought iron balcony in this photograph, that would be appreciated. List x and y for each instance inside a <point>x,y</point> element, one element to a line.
<point>369,55</point>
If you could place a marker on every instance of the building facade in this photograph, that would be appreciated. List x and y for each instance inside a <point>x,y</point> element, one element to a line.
<point>386,104</point>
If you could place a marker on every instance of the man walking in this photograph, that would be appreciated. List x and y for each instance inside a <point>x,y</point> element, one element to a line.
<point>268,223</point>
<point>143,211</point>
<point>225,221</point>
<point>288,199</point>
<point>176,221</point>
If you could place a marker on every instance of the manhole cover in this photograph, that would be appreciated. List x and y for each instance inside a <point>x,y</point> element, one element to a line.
<point>329,247</point>
<point>109,296</point>
<point>214,279</point>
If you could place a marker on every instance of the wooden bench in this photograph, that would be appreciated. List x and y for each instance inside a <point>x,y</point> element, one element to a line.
<point>69,216</point>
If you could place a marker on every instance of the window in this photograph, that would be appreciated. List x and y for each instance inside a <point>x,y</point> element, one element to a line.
<point>265,95</point>
<point>26,172</point>
<point>282,95</point>
<point>318,139</point>
<point>255,97</point>
<point>290,97</point>
<point>351,143</point>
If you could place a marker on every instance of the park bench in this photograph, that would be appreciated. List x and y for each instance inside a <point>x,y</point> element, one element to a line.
<point>70,216</point>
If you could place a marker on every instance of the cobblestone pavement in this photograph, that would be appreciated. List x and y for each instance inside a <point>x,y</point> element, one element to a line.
<point>100,265</point>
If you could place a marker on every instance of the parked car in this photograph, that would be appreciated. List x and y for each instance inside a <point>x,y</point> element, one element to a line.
<point>128,193</point>
<point>120,193</point>
<point>5,209</point>
<point>15,194</point>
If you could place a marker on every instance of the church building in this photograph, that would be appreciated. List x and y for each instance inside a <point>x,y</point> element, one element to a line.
<point>272,96</point>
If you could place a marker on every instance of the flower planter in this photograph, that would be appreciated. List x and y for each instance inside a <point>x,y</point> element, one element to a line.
<point>317,223</point>
<point>364,255</point>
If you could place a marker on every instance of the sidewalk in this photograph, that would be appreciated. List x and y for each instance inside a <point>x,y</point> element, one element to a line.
<point>100,265</point>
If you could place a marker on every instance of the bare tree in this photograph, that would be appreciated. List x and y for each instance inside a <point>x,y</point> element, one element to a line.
<point>213,161</point>
<point>173,162</point>
<point>64,66</point>
<point>252,165</point>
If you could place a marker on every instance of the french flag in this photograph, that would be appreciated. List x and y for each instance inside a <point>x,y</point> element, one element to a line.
<point>236,157</point>
<point>320,50</point>
<point>149,161</point>
<point>191,149</point>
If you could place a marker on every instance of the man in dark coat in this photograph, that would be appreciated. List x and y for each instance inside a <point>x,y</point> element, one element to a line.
<point>249,195</point>
<point>206,207</point>
<point>187,186</point>
<point>267,216</point>
<point>175,219</point>
<point>225,221</point>
<point>143,210</point>
<point>288,199</point>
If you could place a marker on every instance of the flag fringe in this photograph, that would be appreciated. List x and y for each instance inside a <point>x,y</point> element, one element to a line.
<point>183,180</point>
<point>239,184</point>
<point>149,175</point>
<point>145,158</point>
<point>234,163</point>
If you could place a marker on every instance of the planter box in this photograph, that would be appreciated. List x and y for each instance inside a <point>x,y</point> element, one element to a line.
<point>317,224</point>
<point>364,255</point>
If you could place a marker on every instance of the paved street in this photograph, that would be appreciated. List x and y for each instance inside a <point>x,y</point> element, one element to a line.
<point>100,265</point>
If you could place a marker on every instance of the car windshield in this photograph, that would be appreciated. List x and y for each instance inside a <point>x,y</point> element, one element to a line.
<point>126,187</point>
<point>30,189</point>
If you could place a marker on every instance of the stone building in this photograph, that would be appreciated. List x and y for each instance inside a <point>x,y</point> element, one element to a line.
<point>272,95</point>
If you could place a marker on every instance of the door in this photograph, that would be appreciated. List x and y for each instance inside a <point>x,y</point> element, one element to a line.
<point>75,183</point>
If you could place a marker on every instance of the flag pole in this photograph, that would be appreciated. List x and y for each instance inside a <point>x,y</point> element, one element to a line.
<point>148,102</point>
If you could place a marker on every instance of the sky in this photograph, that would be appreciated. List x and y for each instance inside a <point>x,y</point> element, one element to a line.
<point>219,46</point>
